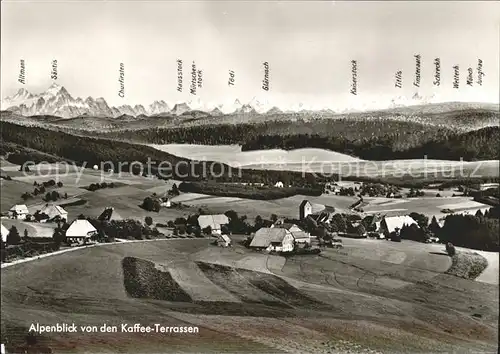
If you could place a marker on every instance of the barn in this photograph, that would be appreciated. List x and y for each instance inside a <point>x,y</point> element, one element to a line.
<point>274,239</point>
<point>214,221</point>
<point>53,211</point>
<point>80,230</point>
<point>395,223</point>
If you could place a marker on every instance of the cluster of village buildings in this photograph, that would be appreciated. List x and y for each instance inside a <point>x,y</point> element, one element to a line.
<point>285,237</point>
<point>79,231</point>
<point>279,237</point>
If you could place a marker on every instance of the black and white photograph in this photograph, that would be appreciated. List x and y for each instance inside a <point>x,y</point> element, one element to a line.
<point>249,176</point>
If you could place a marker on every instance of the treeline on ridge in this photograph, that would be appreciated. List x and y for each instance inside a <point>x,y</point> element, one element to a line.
<point>34,142</point>
<point>249,191</point>
<point>480,144</point>
<point>226,134</point>
<point>371,139</point>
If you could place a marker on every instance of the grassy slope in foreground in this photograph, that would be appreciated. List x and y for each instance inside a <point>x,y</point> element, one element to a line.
<point>87,288</point>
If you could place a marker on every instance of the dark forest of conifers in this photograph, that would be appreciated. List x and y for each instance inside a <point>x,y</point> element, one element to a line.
<point>38,144</point>
<point>370,140</point>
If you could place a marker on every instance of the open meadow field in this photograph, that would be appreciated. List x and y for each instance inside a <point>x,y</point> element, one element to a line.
<point>245,301</point>
<point>420,168</point>
<point>125,197</point>
<point>430,206</point>
<point>233,156</point>
<point>34,229</point>
<point>329,162</point>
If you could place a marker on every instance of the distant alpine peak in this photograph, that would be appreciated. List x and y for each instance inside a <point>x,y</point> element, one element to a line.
<point>57,101</point>
<point>21,93</point>
<point>260,104</point>
<point>416,99</point>
<point>54,89</point>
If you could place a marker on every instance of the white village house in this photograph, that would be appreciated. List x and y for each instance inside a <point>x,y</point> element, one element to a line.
<point>395,223</point>
<point>80,230</point>
<point>52,211</point>
<point>4,231</point>
<point>19,211</point>
<point>214,221</point>
<point>273,239</point>
<point>279,184</point>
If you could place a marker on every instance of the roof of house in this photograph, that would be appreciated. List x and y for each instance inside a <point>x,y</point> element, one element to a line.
<point>312,219</point>
<point>299,234</point>
<point>4,232</point>
<point>394,222</point>
<point>109,214</point>
<point>286,225</point>
<point>20,209</point>
<point>53,210</point>
<point>323,216</point>
<point>214,221</point>
<point>266,235</point>
<point>225,238</point>
<point>80,228</point>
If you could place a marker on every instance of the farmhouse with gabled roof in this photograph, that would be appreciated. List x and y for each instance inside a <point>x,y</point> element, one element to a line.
<point>19,211</point>
<point>214,221</point>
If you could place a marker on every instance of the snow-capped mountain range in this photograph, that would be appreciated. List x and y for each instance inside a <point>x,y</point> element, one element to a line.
<point>57,101</point>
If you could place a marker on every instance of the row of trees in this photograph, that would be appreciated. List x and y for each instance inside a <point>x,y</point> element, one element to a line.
<point>48,184</point>
<point>378,190</point>
<point>54,196</point>
<point>13,237</point>
<point>96,186</point>
<point>250,192</point>
<point>471,231</point>
<point>480,231</point>
<point>40,188</point>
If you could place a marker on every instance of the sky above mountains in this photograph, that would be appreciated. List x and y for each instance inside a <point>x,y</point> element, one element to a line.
<point>309,48</point>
